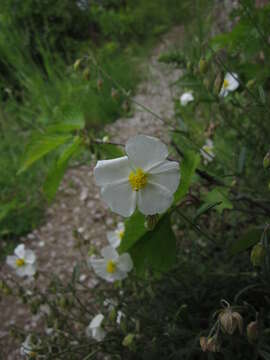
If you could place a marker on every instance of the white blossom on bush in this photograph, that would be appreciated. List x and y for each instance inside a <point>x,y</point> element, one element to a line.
<point>115,237</point>
<point>119,317</point>
<point>207,151</point>
<point>112,266</point>
<point>230,83</point>
<point>144,177</point>
<point>24,261</point>
<point>186,98</point>
<point>27,348</point>
<point>95,329</point>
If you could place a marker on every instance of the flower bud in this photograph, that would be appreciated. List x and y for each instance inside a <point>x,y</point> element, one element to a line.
<point>250,83</point>
<point>86,74</point>
<point>128,340</point>
<point>253,331</point>
<point>266,160</point>
<point>151,221</point>
<point>206,83</point>
<point>105,138</point>
<point>257,254</point>
<point>189,65</point>
<point>230,321</point>
<point>77,64</point>
<point>99,84</point>
<point>202,66</point>
<point>217,84</point>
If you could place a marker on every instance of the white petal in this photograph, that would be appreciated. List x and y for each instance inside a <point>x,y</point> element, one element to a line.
<point>30,269</point>
<point>125,263</point>
<point>20,251</point>
<point>223,92</point>
<point>109,253</point>
<point>232,80</point>
<point>120,314</point>
<point>11,261</point>
<point>99,334</point>
<point>145,151</point>
<point>121,226</point>
<point>117,275</point>
<point>120,198</point>
<point>186,98</point>
<point>154,199</point>
<point>112,171</point>
<point>113,238</point>
<point>29,256</point>
<point>99,266</point>
<point>166,174</point>
<point>96,321</point>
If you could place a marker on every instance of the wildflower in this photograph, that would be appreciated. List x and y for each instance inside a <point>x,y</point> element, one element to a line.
<point>113,266</point>
<point>230,321</point>
<point>27,348</point>
<point>186,98</point>
<point>207,151</point>
<point>115,237</point>
<point>24,261</point>
<point>230,83</point>
<point>95,329</point>
<point>119,317</point>
<point>144,177</point>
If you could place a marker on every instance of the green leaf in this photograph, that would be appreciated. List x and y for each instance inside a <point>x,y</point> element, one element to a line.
<point>156,250</point>
<point>204,209</point>
<point>218,195</point>
<point>188,166</point>
<point>58,170</point>
<point>109,151</point>
<point>70,123</point>
<point>248,239</point>
<point>134,230</point>
<point>40,146</point>
<point>6,208</point>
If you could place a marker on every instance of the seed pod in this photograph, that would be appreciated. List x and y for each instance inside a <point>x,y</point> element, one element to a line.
<point>253,331</point>
<point>230,321</point>
<point>203,343</point>
<point>202,66</point>
<point>257,254</point>
<point>266,161</point>
<point>213,345</point>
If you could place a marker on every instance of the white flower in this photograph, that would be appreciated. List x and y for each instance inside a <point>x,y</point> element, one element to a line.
<point>95,329</point>
<point>119,317</point>
<point>207,151</point>
<point>230,83</point>
<point>186,98</point>
<point>144,177</point>
<point>27,348</point>
<point>24,261</point>
<point>113,266</point>
<point>115,237</point>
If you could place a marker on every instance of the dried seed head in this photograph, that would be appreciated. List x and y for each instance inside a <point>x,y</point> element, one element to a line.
<point>253,331</point>
<point>230,321</point>
<point>203,343</point>
<point>257,254</point>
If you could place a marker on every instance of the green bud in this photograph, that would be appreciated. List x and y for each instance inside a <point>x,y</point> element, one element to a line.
<point>266,160</point>
<point>217,84</point>
<point>151,221</point>
<point>257,254</point>
<point>77,63</point>
<point>86,74</point>
<point>250,83</point>
<point>112,315</point>
<point>189,65</point>
<point>206,83</point>
<point>202,66</point>
<point>128,340</point>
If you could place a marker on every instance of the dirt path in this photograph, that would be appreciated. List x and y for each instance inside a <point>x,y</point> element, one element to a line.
<point>78,206</point>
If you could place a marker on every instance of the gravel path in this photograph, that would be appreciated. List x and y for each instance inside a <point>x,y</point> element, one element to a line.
<point>78,205</point>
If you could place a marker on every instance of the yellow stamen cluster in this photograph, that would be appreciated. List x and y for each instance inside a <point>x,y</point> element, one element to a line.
<point>111,266</point>
<point>121,234</point>
<point>225,83</point>
<point>207,149</point>
<point>20,262</point>
<point>137,179</point>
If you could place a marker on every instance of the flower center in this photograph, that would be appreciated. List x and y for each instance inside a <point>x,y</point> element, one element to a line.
<point>207,149</point>
<point>121,234</point>
<point>20,262</point>
<point>111,266</point>
<point>225,84</point>
<point>137,179</point>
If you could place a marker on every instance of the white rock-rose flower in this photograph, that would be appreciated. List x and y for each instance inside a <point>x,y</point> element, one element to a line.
<point>186,98</point>
<point>115,237</point>
<point>207,151</point>
<point>24,261</point>
<point>95,329</point>
<point>112,266</point>
<point>230,83</point>
<point>144,178</point>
